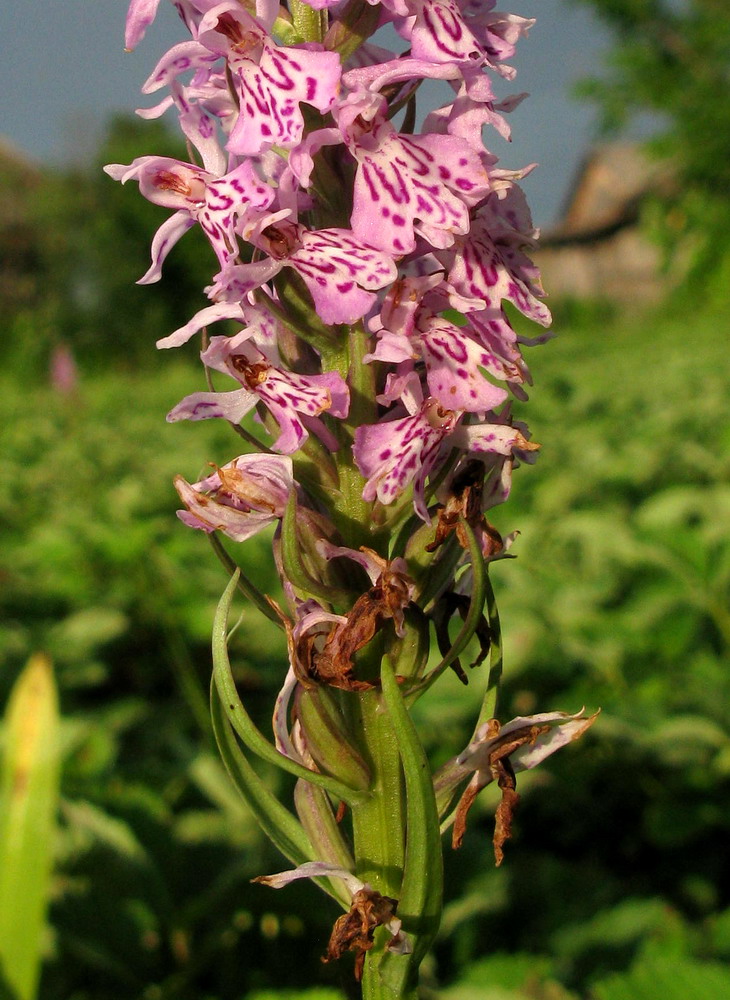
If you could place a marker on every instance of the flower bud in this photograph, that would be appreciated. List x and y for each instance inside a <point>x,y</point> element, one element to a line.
<point>325,733</point>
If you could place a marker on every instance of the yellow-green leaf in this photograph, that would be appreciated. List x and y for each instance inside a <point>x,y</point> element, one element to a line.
<point>28,801</point>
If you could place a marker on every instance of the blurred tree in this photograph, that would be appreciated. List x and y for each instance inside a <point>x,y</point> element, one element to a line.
<point>672,60</point>
<point>19,183</point>
<point>90,241</point>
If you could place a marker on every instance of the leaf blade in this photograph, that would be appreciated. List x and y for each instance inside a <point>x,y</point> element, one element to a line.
<point>29,791</point>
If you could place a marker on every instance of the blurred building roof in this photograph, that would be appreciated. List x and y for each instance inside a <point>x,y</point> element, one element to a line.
<point>598,250</point>
<point>609,186</point>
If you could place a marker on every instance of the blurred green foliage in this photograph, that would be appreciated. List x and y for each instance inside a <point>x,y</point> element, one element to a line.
<point>75,245</point>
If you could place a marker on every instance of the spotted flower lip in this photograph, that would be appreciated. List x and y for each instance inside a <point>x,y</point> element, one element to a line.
<point>489,265</point>
<point>340,270</point>
<point>216,203</point>
<point>453,361</point>
<point>241,498</point>
<point>271,80</point>
<point>460,32</point>
<point>295,401</point>
<point>393,454</point>
<point>407,185</point>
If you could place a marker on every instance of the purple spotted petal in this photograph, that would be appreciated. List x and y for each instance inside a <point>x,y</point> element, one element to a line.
<point>484,439</point>
<point>410,184</point>
<point>271,80</point>
<point>393,348</point>
<point>162,243</point>
<point>235,281</point>
<point>499,32</point>
<point>376,75</point>
<point>473,108</point>
<point>406,299</point>
<point>181,58</point>
<point>393,454</point>
<point>469,33</point>
<point>339,270</point>
<point>217,204</point>
<point>439,33</point>
<point>227,201</point>
<point>291,397</point>
<point>140,15</point>
<point>489,265</point>
<point>453,362</point>
<point>337,267</point>
<point>494,331</point>
<point>201,131</point>
<point>231,406</point>
<point>211,314</point>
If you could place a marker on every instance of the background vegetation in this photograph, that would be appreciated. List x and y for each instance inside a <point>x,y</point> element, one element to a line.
<point>615,886</point>
<point>670,66</point>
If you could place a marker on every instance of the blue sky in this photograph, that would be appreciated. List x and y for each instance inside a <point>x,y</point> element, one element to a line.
<point>63,71</point>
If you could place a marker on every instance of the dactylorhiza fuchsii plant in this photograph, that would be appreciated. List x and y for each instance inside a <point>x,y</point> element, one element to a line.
<point>363,268</point>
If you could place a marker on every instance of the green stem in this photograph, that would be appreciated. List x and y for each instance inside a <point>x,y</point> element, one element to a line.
<point>352,514</point>
<point>311,24</point>
<point>378,822</point>
<point>373,988</point>
<point>241,721</point>
<point>489,704</point>
<point>378,827</point>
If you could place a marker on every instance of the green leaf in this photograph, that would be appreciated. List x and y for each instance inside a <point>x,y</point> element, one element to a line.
<point>100,827</point>
<point>28,801</point>
<point>419,905</point>
<point>291,557</point>
<point>515,976</point>
<point>667,976</point>
<point>241,721</point>
<point>279,825</point>
<point>78,635</point>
